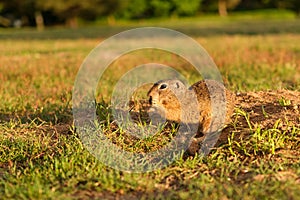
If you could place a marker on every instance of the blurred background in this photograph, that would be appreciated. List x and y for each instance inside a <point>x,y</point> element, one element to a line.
<point>74,13</point>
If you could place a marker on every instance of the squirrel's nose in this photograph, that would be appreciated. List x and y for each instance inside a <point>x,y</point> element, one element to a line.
<point>150,100</point>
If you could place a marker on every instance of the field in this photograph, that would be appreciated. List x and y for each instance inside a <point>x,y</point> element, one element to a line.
<point>257,157</point>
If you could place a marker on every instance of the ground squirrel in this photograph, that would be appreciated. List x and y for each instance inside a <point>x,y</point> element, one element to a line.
<point>172,98</point>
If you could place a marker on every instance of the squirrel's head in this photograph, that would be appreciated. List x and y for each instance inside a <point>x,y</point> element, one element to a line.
<point>166,93</point>
<point>170,97</point>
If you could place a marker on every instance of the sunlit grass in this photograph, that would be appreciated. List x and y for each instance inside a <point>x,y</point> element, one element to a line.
<point>42,157</point>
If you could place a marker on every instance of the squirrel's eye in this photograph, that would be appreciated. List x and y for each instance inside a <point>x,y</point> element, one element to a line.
<point>163,86</point>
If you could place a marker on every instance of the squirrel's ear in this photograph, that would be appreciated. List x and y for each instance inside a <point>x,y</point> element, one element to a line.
<point>177,84</point>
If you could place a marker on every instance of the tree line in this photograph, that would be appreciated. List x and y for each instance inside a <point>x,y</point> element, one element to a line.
<point>40,12</point>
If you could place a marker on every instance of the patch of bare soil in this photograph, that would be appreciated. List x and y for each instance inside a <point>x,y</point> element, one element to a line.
<point>265,109</point>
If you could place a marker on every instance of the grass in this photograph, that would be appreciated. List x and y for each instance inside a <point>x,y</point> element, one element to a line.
<point>41,156</point>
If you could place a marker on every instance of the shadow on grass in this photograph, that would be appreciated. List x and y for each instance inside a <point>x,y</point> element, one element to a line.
<point>246,27</point>
<point>52,114</point>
